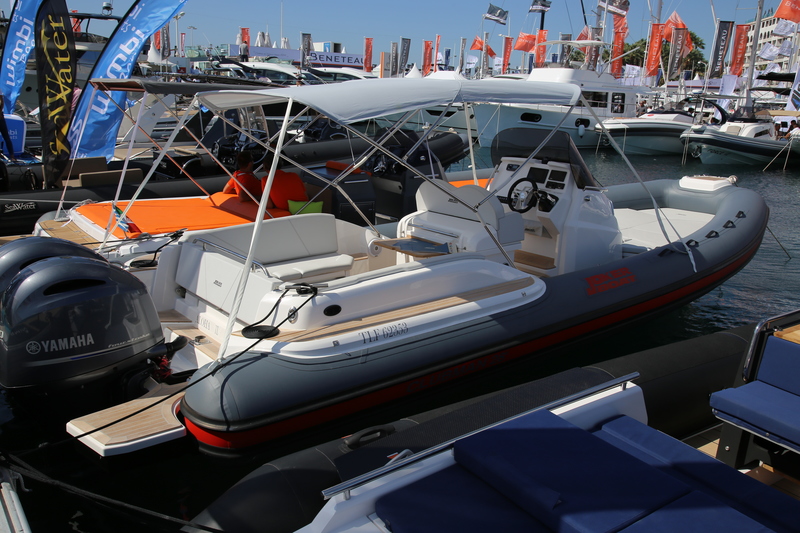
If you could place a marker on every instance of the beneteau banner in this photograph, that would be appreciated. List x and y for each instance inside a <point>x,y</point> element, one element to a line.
<point>56,64</point>
<point>679,36</point>
<point>405,50</point>
<point>789,10</point>
<point>18,46</point>
<point>93,132</point>
<point>720,48</point>
<point>654,50</point>
<point>739,49</point>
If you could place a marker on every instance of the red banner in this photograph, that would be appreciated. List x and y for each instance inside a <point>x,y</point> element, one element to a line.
<point>367,54</point>
<point>789,10</point>
<point>620,32</point>
<point>525,42</point>
<point>584,35</point>
<point>246,35</point>
<point>507,46</point>
<point>654,50</point>
<point>739,49</point>
<point>426,57</point>
<point>157,40</point>
<point>541,50</point>
<point>477,44</point>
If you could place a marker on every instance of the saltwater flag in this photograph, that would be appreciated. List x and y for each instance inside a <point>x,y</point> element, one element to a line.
<point>768,51</point>
<point>507,46</point>
<point>56,64</point>
<point>526,42</point>
<point>788,10</point>
<point>786,48</point>
<point>739,49</point>
<point>93,131</point>
<point>654,50</point>
<point>675,21</point>
<point>496,14</point>
<point>367,54</point>
<point>722,41</point>
<point>19,42</point>
<point>539,6</point>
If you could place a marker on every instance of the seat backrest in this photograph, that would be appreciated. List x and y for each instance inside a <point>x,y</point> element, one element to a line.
<point>281,239</point>
<point>435,199</point>
<point>780,365</point>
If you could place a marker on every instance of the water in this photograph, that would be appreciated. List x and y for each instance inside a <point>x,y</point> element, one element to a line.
<point>178,481</point>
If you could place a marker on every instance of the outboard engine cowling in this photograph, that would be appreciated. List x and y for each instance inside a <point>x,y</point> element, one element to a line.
<point>70,320</point>
<point>17,254</point>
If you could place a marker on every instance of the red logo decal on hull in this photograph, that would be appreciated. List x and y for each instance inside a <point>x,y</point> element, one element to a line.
<point>610,280</point>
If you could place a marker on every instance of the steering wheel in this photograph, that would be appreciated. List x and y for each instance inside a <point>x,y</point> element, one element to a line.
<point>522,198</point>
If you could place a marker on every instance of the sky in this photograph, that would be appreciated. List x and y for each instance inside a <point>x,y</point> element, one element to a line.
<point>350,21</point>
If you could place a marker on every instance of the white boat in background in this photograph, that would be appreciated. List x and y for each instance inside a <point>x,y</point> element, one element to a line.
<point>653,133</point>
<point>604,93</point>
<point>740,142</point>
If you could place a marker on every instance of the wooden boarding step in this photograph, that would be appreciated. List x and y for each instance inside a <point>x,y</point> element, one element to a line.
<point>791,333</point>
<point>152,426</point>
<point>68,231</point>
<point>405,312</point>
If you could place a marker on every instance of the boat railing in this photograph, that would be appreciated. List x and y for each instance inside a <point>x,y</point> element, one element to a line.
<point>206,244</point>
<point>358,481</point>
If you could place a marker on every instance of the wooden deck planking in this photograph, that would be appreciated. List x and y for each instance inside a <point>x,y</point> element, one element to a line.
<point>68,231</point>
<point>790,334</point>
<point>405,312</point>
<point>149,423</point>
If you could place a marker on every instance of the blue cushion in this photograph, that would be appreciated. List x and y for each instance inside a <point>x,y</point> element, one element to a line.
<point>695,512</point>
<point>600,487</point>
<point>452,500</point>
<point>780,365</point>
<point>750,497</point>
<point>761,409</point>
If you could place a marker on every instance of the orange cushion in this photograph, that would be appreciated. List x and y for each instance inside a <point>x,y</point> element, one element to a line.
<point>287,186</point>
<point>481,182</point>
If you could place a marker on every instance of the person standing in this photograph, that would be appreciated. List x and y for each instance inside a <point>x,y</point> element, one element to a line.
<point>244,52</point>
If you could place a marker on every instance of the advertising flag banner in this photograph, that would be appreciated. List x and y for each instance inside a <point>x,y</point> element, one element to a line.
<point>675,56</point>
<point>436,53</point>
<point>675,21</point>
<point>93,131</point>
<point>426,57</point>
<point>739,49</point>
<point>507,46</point>
<point>496,14</point>
<point>540,6</point>
<point>405,50</point>
<point>56,64</point>
<point>654,50</point>
<point>19,42</point>
<point>541,50</point>
<point>617,7</point>
<point>620,32</point>
<point>720,49</point>
<point>367,54</point>
<point>789,10</point>
<point>525,42</point>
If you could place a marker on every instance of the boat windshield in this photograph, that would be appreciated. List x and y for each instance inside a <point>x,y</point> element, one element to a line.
<point>520,142</point>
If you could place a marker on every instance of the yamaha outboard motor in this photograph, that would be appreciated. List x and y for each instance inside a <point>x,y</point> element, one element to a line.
<point>17,254</point>
<point>69,320</point>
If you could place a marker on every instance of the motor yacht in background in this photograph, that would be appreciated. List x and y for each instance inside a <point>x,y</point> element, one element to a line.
<point>607,97</point>
<point>654,133</point>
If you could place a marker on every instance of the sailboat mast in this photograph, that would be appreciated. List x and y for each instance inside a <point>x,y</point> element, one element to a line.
<point>748,102</point>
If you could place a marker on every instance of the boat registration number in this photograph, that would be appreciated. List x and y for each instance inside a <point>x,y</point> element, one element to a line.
<point>384,332</point>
